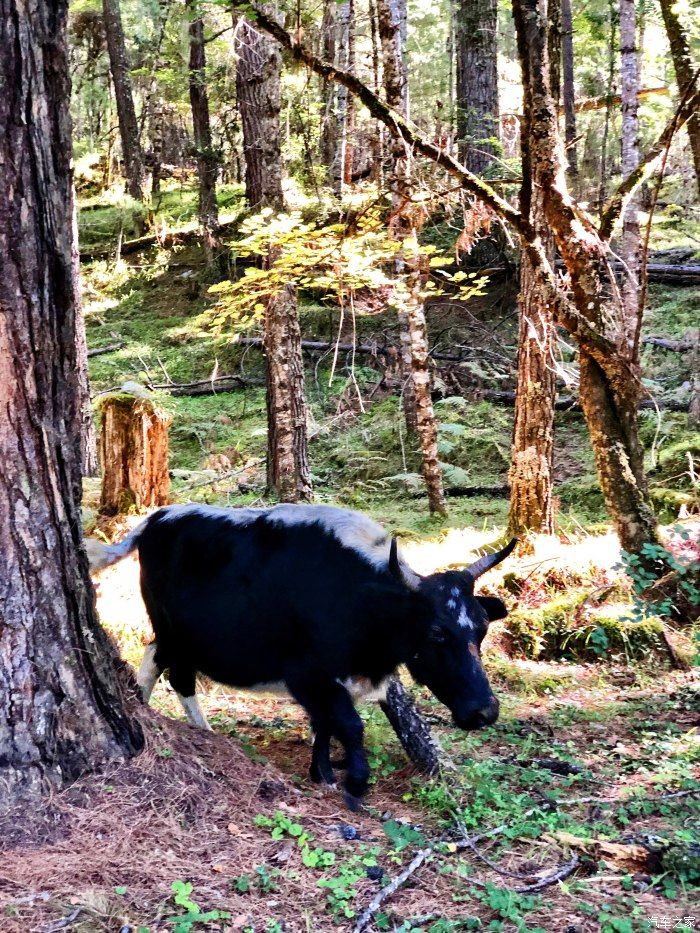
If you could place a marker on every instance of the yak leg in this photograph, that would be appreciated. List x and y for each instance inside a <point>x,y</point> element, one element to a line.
<point>183,681</point>
<point>149,672</point>
<point>331,710</point>
<point>321,770</point>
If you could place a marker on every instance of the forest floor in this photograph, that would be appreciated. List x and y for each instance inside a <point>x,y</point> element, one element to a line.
<point>595,756</point>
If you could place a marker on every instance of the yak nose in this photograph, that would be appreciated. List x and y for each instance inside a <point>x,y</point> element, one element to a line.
<point>480,717</point>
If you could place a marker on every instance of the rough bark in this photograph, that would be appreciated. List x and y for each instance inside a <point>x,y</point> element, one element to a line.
<point>258,91</point>
<point>412,730</point>
<point>134,454</point>
<point>694,412</point>
<point>477,82</point>
<point>61,707</point>
<point>532,451</point>
<point>343,159</point>
<point>609,98</point>
<point>126,113</point>
<point>609,379</point>
<point>88,436</point>
<point>685,71</point>
<point>207,160</point>
<point>288,470</point>
<point>328,141</point>
<point>630,247</point>
<point>569,93</point>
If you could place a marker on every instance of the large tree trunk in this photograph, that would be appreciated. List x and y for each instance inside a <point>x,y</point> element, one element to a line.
<point>477,82</point>
<point>61,707</point>
<point>126,113</point>
<point>207,161</point>
<point>288,470</point>
<point>531,480</point>
<point>685,72</point>
<point>568,90</point>
<point>609,379</point>
<point>258,90</point>
<point>630,247</point>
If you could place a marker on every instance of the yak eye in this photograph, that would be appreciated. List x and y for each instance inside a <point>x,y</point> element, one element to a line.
<point>437,635</point>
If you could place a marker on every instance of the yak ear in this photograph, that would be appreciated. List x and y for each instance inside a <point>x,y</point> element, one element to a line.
<point>495,608</point>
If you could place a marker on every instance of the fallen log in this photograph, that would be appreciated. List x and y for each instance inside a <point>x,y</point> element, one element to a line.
<point>206,386</point>
<point>569,403</point>
<point>410,727</point>
<point>666,343</point>
<point>367,349</point>
<point>109,348</point>
<point>164,240</point>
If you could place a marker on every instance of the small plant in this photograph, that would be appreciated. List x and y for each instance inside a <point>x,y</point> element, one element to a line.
<point>648,572</point>
<point>193,915</point>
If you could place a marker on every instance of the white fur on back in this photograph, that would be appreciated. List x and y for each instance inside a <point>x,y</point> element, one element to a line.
<point>352,529</point>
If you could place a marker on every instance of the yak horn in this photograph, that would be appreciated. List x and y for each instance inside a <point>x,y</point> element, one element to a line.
<point>485,563</point>
<point>399,570</point>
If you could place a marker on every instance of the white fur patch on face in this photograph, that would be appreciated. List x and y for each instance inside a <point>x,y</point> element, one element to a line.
<point>451,603</point>
<point>463,619</point>
<point>455,591</point>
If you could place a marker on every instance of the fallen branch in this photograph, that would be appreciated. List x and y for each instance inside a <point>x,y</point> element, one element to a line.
<point>163,240</point>
<point>559,874</point>
<point>366,916</point>
<point>206,386</point>
<point>109,348</point>
<point>412,730</point>
<point>666,343</point>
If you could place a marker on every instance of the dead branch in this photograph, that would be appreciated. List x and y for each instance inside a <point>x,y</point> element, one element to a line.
<point>366,916</point>
<point>666,343</point>
<point>559,874</point>
<point>109,348</point>
<point>206,386</point>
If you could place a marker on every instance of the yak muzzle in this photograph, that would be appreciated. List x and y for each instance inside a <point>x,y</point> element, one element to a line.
<point>479,717</point>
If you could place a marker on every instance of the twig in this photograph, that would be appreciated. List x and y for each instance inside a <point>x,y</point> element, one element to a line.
<point>559,874</point>
<point>66,922</point>
<point>366,916</point>
<point>109,348</point>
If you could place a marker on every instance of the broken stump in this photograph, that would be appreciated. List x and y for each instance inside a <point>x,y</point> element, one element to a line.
<point>133,452</point>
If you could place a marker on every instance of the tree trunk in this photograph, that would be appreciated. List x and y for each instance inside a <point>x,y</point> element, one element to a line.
<point>88,438</point>
<point>531,479</point>
<point>345,102</point>
<point>694,412</point>
<point>685,72</point>
<point>609,380</point>
<point>569,92</point>
<point>258,90</point>
<point>207,161</point>
<point>410,727</point>
<point>126,113</point>
<point>61,707</point>
<point>134,454</point>
<point>609,98</point>
<point>630,247</point>
<point>328,139</point>
<point>287,442</point>
<point>477,83</point>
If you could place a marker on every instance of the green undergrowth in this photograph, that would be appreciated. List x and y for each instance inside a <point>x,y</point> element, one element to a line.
<point>564,628</point>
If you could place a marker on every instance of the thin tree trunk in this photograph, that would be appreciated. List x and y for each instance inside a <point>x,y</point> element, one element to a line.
<point>531,479</point>
<point>378,129</point>
<point>477,83</point>
<point>350,105</point>
<point>603,177</point>
<point>569,93</point>
<point>630,248</point>
<point>328,143</point>
<point>61,707</point>
<point>88,437</point>
<point>258,90</point>
<point>207,161</point>
<point>287,442</point>
<point>126,113</point>
<point>685,71</point>
<point>694,412</point>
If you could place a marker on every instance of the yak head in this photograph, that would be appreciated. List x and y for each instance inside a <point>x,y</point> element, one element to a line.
<point>448,660</point>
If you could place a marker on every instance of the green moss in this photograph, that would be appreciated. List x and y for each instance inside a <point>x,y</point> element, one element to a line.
<point>561,629</point>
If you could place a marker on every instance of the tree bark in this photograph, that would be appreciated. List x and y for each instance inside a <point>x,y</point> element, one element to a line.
<point>134,454</point>
<point>685,72</point>
<point>609,98</point>
<point>477,83</point>
<point>88,437</point>
<point>609,379</point>
<point>258,90</point>
<point>61,705</point>
<point>530,475</point>
<point>288,470</point>
<point>126,113</point>
<point>694,412</point>
<point>328,140</point>
<point>207,161</point>
<point>569,92</point>
<point>630,247</point>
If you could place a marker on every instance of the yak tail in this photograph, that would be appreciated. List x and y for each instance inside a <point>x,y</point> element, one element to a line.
<point>103,555</point>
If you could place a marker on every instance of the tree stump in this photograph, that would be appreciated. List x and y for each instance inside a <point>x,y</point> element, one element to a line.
<point>133,452</point>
